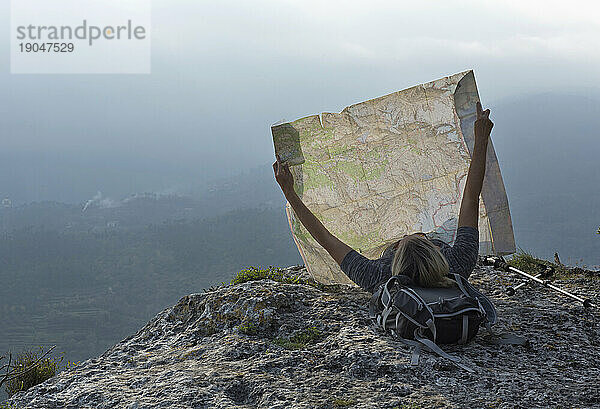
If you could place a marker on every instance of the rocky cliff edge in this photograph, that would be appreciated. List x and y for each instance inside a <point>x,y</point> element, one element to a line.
<point>269,344</point>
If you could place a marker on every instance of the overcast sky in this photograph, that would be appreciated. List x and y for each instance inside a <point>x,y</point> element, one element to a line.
<point>224,71</point>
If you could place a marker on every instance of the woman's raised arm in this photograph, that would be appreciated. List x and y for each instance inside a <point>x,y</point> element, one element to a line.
<point>335,247</point>
<point>469,208</point>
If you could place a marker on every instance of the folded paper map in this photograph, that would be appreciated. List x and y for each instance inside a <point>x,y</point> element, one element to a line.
<point>391,166</point>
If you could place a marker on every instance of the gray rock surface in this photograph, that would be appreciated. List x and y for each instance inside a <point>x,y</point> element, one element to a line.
<point>224,349</point>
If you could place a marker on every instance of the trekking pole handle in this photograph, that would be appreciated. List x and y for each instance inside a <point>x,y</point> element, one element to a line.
<point>511,290</point>
<point>525,283</point>
<point>496,261</point>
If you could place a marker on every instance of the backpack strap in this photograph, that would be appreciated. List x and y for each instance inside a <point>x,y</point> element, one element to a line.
<point>386,313</point>
<point>465,329</point>
<point>416,348</point>
<point>421,342</point>
<point>386,296</point>
<point>416,355</point>
<point>459,280</point>
<point>468,289</point>
<point>505,339</point>
<point>373,304</point>
<point>432,346</point>
<point>488,307</point>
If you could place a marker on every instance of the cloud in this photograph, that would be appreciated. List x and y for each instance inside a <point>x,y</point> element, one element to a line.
<point>224,71</point>
<point>379,30</point>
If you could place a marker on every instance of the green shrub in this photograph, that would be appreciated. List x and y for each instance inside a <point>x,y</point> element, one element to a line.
<point>279,275</point>
<point>342,403</point>
<point>26,376</point>
<point>248,328</point>
<point>526,261</point>
<point>530,264</point>
<point>258,273</point>
<point>301,339</point>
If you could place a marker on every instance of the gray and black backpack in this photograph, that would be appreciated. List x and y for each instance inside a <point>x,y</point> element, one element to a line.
<point>425,317</point>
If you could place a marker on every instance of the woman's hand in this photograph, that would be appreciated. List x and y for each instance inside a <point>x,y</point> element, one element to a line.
<point>283,176</point>
<point>483,126</point>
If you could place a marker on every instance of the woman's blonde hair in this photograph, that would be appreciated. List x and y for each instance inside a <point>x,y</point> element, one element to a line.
<point>422,261</point>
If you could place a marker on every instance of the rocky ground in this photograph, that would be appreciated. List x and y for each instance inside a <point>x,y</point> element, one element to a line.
<point>268,344</point>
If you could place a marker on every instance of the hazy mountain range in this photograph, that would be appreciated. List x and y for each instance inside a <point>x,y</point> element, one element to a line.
<point>547,146</point>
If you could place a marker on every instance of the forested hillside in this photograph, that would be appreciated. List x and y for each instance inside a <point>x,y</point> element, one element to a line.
<point>86,290</point>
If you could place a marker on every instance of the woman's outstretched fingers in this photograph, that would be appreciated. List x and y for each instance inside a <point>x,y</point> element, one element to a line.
<point>479,110</point>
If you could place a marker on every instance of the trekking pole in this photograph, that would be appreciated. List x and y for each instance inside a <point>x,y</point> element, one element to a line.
<point>512,290</point>
<point>500,263</point>
<point>548,271</point>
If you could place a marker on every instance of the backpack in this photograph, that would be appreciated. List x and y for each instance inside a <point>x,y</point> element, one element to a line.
<point>425,317</point>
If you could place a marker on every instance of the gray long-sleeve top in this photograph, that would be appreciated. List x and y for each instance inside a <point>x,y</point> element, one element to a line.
<point>461,257</point>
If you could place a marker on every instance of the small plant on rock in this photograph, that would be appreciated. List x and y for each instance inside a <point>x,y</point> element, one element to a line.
<point>259,273</point>
<point>30,368</point>
<point>343,403</point>
<point>248,328</point>
<point>300,340</point>
<point>525,261</point>
<point>528,263</point>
